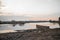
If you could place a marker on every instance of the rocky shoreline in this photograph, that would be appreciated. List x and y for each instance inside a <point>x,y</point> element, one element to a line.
<point>33,34</point>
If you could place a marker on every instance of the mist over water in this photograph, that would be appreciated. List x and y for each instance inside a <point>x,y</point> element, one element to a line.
<point>26,26</point>
<point>10,28</point>
<point>16,18</point>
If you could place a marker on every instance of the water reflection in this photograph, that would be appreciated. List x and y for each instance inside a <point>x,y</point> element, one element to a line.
<point>7,31</point>
<point>16,27</point>
<point>27,26</point>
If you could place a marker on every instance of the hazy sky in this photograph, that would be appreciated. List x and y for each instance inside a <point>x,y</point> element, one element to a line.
<point>32,7</point>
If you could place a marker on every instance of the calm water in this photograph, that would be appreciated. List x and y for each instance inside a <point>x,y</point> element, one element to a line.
<point>10,28</point>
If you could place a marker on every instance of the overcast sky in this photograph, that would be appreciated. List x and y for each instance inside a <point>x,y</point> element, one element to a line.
<point>32,7</point>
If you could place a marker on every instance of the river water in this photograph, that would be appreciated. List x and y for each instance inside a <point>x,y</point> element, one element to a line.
<point>10,28</point>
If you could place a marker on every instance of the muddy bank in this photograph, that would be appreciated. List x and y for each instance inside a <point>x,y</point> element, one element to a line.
<point>34,34</point>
